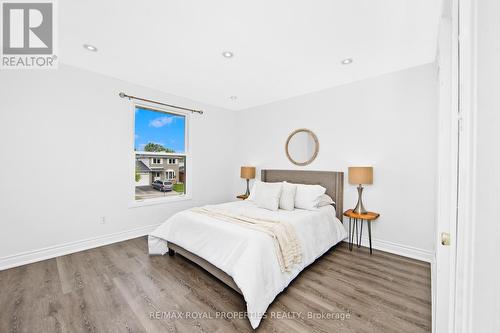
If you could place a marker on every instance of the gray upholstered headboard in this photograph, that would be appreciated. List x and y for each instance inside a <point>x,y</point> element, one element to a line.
<point>333,181</point>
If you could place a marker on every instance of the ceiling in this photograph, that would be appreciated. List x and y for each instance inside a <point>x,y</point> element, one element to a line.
<point>282,48</point>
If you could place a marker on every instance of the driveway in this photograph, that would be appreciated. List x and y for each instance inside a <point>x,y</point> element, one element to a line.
<point>148,192</point>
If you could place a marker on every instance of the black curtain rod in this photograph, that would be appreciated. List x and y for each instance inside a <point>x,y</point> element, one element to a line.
<point>123,95</point>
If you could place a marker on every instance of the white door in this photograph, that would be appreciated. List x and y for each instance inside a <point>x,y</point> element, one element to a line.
<point>144,181</point>
<point>156,175</point>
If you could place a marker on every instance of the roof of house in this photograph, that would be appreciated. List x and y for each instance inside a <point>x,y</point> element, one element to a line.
<point>157,153</point>
<point>141,167</point>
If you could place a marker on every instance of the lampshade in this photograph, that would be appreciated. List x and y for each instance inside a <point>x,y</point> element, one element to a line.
<point>360,175</point>
<point>247,172</point>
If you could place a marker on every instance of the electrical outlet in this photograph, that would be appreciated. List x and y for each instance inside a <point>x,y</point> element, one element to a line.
<point>103,220</point>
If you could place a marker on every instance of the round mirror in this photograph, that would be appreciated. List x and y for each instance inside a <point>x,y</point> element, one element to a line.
<point>302,147</point>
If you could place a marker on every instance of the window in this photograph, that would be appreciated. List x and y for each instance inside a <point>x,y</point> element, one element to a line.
<point>170,174</point>
<point>159,141</point>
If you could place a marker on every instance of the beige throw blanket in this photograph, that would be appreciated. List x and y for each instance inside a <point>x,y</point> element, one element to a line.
<point>286,243</point>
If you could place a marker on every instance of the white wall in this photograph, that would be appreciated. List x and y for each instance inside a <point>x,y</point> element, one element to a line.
<point>486,246</point>
<point>389,122</point>
<point>65,139</point>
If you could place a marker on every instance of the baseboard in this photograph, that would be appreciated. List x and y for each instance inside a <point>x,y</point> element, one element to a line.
<point>399,249</point>
<point>85,244</point>
<point>72,247</point>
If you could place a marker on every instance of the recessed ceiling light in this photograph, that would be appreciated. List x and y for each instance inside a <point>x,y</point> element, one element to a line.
<point>90,47</point>
<point>233,97</point>
<point>346,61</point>
<point>227,54</point>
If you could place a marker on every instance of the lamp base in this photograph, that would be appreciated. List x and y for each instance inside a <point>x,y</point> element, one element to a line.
<point>360,209</point>
<point>247,193</point>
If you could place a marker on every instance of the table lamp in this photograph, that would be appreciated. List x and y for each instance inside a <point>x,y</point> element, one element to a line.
<point>359,176</point>
<point>247,173</point>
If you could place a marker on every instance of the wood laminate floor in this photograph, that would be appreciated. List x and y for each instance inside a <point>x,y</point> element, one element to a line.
<point>119,288</point>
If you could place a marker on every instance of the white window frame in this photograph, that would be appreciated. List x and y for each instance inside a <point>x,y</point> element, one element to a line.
<point>186,155</point>
<point>168,173</point>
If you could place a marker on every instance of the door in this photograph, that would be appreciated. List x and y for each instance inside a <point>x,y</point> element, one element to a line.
<point>156,176</point>
<point>443,270</point>
<point>144,180</point>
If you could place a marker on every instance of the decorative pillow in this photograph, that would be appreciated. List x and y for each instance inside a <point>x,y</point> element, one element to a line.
<point>253,191</point>
<point>287,199</point>
<point>268,195</point>
<point>307,196</point>
<point>324,200</point>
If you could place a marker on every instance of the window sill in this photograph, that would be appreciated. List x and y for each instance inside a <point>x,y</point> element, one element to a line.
<point>159,201</point>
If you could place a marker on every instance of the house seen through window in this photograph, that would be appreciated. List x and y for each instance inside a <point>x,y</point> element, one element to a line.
<point>160,154</point>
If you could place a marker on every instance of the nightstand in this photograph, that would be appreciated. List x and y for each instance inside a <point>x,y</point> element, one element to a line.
<point>242,196</point>
<point>354,217</point>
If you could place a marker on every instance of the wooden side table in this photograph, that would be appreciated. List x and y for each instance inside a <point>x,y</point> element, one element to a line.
<point>368,217</point>
<point>242,196</point>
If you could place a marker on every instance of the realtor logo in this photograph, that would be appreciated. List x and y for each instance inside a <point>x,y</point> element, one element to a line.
<point>28,29</point>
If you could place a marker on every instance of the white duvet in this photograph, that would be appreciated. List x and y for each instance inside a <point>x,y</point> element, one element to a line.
<point>248,256</point>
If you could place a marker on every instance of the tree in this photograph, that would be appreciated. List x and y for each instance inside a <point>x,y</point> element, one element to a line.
<point>155,147</point>
<point>137,175</point>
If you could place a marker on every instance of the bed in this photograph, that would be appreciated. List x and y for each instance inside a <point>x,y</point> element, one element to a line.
<point>242,258</point>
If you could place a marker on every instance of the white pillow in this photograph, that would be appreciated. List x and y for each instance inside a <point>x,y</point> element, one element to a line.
<point>307,196</point>
<point>324,200</point>
<point>253,191</point>
<point>287,199</point>
<point>268,195</point>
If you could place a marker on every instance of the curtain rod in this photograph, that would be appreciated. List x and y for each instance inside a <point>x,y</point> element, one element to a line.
<point>123,95</point>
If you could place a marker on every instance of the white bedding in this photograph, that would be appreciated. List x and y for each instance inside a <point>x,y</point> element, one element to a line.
<point>247,255</point>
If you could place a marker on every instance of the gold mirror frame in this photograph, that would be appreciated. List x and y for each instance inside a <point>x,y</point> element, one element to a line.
<point>316,148</point>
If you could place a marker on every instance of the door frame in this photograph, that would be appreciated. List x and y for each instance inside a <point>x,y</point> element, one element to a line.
<point>443,268</point>
<point>460,212</point>
<point>467,26</point>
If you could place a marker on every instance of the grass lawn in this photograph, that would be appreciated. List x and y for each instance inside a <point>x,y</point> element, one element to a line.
<point>179,187</point>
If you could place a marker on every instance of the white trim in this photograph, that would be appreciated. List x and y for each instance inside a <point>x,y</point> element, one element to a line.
<point>152,160</point>
<point>467,166</point>
<point>72,247</point>
<point>397,248</point>
<point>443,274</point>
<point>159,201</point>
<point>187,157</point>
<point>167,174</point>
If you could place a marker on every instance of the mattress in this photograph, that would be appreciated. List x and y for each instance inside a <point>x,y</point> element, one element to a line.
<point>248,256</point>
